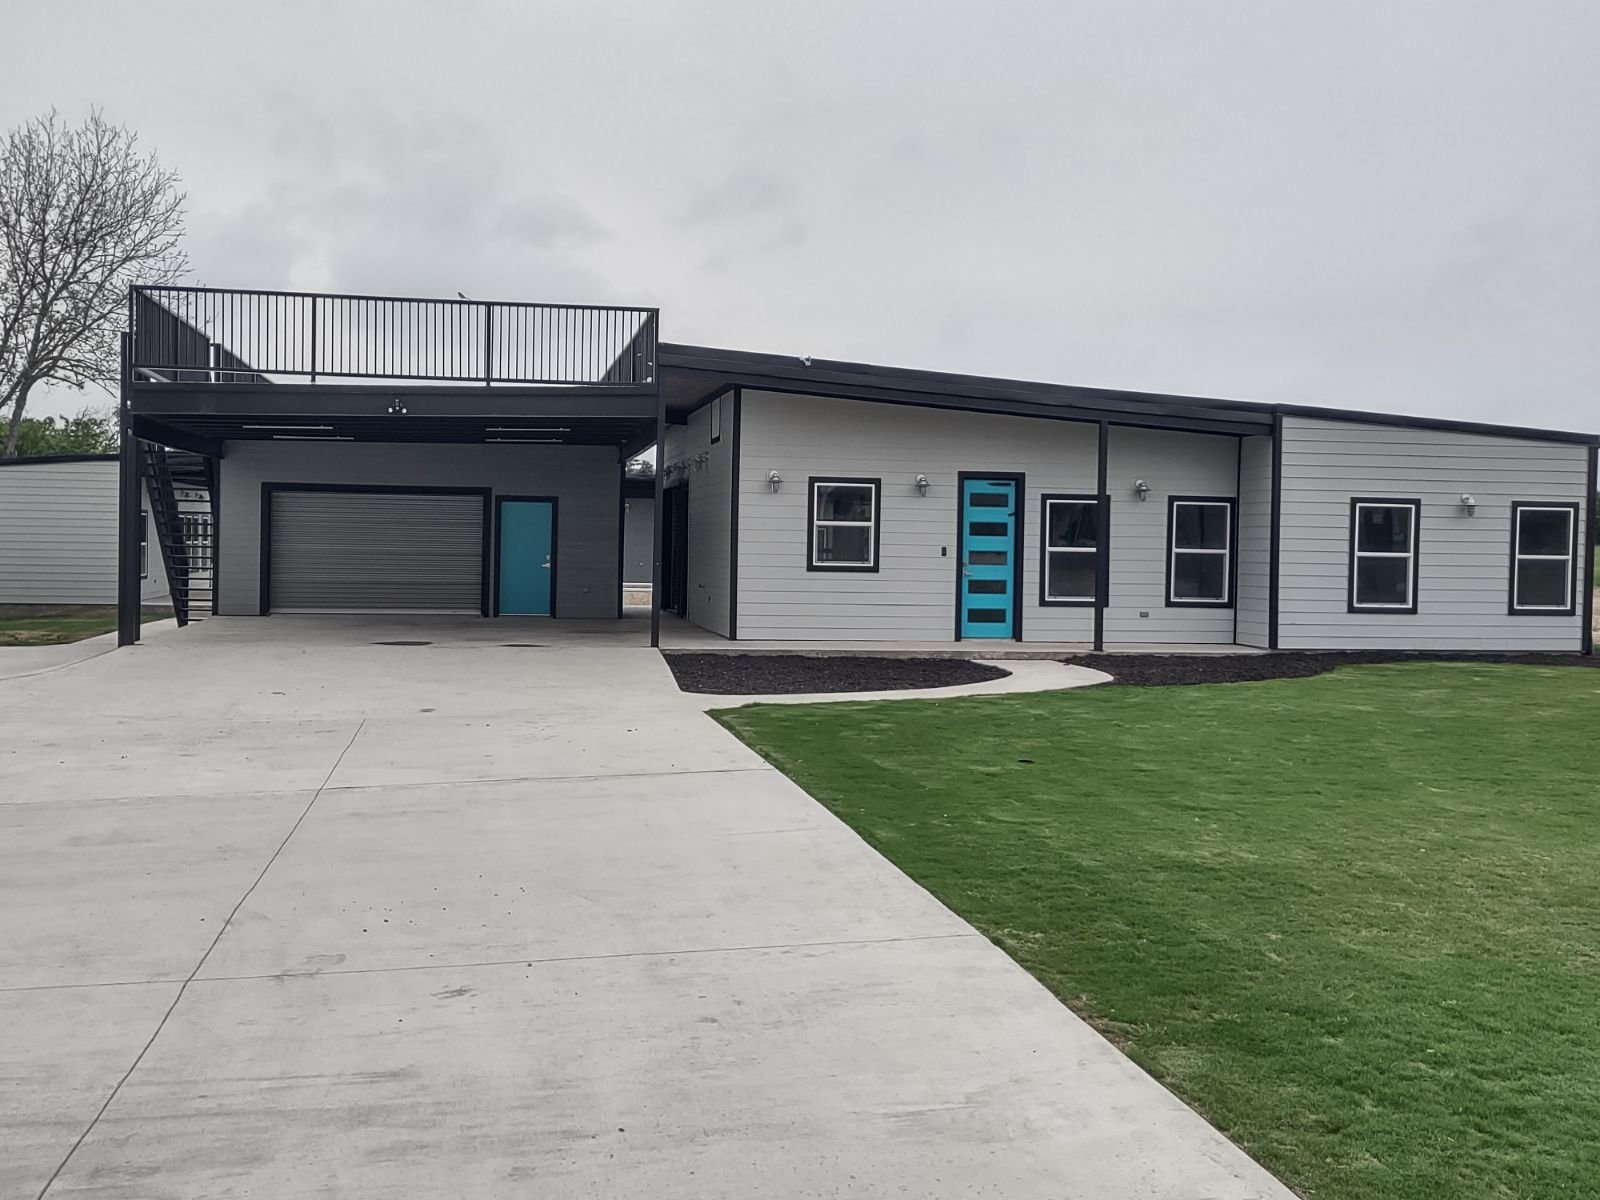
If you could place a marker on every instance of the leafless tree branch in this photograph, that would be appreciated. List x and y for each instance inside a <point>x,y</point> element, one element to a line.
<point>83,214</point>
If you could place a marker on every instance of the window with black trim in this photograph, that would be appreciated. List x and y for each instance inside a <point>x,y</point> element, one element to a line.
<point>1069,574</point>
<point>844,525</point>
<point>1200,551</point>
<point>144,544</point>
<point>1383,555</point>
<point>716,420</point>
<point>1544,544</point>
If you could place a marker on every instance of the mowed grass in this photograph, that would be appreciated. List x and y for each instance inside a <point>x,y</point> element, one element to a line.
<point>48,626</point>
<point>1353,919</point>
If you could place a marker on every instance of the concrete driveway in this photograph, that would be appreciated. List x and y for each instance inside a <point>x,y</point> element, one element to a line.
<point>285,912</point>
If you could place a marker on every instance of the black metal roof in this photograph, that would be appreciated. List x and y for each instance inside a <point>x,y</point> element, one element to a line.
<point>690,375</point>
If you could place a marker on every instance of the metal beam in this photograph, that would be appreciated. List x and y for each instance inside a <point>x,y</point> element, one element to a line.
<point>178,439</point>
<point>129,531</point>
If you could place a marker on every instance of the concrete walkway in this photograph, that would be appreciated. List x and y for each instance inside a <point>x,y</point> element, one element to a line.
<point>284,912</point>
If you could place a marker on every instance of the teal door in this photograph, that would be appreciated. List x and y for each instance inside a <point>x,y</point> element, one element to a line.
<point>988,558</point>
<point>527,557</point>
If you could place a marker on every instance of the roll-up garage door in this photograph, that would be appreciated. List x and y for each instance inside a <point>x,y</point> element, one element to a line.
<point>375,552</point>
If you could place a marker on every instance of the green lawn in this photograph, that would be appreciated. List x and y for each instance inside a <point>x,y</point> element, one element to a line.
<point>38,625</point>
<point>1353,919</point>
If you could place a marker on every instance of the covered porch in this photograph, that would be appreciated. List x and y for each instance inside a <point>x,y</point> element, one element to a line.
<point>386,455</point>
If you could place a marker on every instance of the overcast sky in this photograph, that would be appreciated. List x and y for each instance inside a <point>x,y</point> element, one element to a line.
<point>1391,204</point>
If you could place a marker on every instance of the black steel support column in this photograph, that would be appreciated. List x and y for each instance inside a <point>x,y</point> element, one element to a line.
<point>1276,531</point>
<point>1102,538</point>
<point>129,532</point>
<point>661,469</point>
<point>1587,607</point>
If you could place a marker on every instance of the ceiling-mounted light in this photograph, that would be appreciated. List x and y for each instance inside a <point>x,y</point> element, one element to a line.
<point>310,427</point>
<point>527,429</point>
<point>527,441</point>
<point>309,437</point>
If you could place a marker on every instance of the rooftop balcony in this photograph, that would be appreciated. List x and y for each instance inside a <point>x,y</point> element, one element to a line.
<point>210,365</point>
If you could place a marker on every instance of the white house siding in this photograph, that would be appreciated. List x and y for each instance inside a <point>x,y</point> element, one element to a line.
<point>1464,561</point>
<point>58,536</point>
<point>912,595</point>
<point>1255,540</point>
<point>710,511</point>
<point>585,480</point>
<point>1173,464</point>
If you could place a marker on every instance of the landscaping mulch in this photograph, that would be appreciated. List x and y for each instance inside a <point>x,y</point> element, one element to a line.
<point>1169,670</point>
<point>794,674</point>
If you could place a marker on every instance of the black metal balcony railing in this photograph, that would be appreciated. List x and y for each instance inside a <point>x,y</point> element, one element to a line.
<point>212,335</point>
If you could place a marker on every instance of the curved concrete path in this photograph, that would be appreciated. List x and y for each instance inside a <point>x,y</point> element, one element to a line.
<point>1023,675</point>
<point>285,912</point>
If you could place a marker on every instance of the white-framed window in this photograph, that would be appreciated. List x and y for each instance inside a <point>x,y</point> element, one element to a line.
<point>843,533</point>
<point>1069,572</point>
<point>1383,555</point>
<point>1544,551</point>
<point>1200,551</point>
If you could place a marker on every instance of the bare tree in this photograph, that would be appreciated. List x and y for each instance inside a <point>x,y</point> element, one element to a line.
<point>83,214</point>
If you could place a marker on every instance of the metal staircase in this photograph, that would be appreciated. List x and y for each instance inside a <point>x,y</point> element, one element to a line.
<point>182,491</point>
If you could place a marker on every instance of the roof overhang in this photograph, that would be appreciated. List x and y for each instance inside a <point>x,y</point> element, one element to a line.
<point>692,375</point>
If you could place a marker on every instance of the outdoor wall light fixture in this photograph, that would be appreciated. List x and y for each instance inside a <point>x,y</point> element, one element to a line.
<point>774,480</point>
<point>1141,489</point>
<point>1470,503</point>
<point>921,484</point>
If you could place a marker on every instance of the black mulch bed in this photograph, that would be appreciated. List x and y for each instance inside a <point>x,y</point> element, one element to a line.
<point>1165,670</point>
<point>772,674</point>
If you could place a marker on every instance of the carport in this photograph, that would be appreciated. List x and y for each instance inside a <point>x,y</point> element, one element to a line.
<point>384,454</point>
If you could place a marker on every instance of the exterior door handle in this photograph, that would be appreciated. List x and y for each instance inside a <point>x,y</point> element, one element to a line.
<point>545,564</point>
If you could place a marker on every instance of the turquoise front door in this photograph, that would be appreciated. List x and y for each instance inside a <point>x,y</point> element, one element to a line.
<point>987,599</point>
<point>527,557</point>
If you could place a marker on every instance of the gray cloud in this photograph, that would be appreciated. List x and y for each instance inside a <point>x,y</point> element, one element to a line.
<point>1367,203</point>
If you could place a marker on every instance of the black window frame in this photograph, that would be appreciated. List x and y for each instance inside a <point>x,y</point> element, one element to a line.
<point>1231,552</point>
<point>812,484</point>
<point>1414,503</point>
<point>1045,500</point>
<point>1573,562</point>
<point>715,419</point>
<point>144,543</point>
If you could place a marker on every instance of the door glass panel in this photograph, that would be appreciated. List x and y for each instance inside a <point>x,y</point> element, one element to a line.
<point>987,616</point>
<point>988,529</point>
<point>989,499</point>
<point>988,558</point>
<point>987,587</point>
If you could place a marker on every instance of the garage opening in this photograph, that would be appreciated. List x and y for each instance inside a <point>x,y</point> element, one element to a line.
<point>349,548</point>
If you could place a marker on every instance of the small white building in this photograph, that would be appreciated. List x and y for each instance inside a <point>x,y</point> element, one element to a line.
<point>58,533</point>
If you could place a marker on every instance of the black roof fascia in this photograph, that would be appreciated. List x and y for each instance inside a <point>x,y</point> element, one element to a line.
<point>40,460</point>
<point>919,397</point>
<point>782,371</point>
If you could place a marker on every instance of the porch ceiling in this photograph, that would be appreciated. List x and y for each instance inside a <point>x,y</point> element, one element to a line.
<point>203,433</point>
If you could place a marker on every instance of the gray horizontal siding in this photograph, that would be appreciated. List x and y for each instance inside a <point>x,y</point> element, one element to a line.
<point>1173,464</point>
<point>710,482</point>
<point>585,480</point>
<point>912,595</point>
<point>1464,562</point>
<point>1255,540</point>
<point>58,536</point>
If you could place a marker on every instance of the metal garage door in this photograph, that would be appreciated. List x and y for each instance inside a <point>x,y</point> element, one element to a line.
<point>375,552</point>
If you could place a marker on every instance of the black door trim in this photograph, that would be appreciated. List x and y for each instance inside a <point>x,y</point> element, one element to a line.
<point>555,549</point>
<point>1017,542</point>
